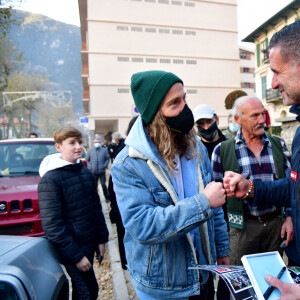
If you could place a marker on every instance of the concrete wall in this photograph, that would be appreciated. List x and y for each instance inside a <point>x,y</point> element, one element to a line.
<point>196,40</point>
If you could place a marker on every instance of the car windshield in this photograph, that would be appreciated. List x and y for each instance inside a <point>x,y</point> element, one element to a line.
<point>19,159</point>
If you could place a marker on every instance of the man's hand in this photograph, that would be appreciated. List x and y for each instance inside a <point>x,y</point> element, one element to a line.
<point>84,264</point>
<point>225,260</point>
<point>215,194</point>
<point>236,185</point>
<point>101,248</point>
<point>289,291</point>
<point>288,228</point>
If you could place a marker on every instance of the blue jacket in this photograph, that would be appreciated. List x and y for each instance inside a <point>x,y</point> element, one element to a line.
<point>97,159</point>
<point>159,248</point>
<point>285,192</point>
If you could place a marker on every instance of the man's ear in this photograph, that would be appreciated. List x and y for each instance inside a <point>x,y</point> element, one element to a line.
<point>237,120</point>
<point>217,120</point>
<point>58,147</point>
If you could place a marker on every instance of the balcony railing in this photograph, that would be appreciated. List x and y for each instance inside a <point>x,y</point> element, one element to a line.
<point>273,95</point>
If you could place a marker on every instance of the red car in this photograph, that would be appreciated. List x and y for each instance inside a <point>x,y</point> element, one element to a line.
<point>19,165</point>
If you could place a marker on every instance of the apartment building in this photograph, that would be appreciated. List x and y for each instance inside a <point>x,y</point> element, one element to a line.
<point>247,70</point>
<point>263,75</point>
<point>197,40</point>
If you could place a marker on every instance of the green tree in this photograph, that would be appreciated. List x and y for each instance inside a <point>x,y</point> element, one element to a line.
<point>52,117</point>
<point>24,104</point>
<point>7,15</point>
<point>10,61</point>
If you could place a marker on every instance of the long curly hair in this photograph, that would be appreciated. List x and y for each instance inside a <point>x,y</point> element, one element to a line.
<point>160,134</point>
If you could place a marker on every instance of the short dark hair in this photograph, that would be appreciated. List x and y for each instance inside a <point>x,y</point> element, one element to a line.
<point>131,122</point>
<point>65,132</point>
<point>288,39</point>
<point>33,133</point>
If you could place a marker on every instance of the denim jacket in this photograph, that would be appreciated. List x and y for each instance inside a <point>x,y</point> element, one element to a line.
<point>158,245</point>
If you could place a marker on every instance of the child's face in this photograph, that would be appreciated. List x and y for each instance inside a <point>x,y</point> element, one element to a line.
<point>71,149</point>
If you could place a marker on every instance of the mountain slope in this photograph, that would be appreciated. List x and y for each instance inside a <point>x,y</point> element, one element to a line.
<point>53,48</point>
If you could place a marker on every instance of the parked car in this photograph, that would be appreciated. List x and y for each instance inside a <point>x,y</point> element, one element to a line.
<point>29,270</point>
<point>19,176</point>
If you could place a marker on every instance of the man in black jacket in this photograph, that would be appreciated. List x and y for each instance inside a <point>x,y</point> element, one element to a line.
<point>119,141</point>
<point>207,122</point>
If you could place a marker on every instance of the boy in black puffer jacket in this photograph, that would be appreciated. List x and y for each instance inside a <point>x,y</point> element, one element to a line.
<point>71,212</point>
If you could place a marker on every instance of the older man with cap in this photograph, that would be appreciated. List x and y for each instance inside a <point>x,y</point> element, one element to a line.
<point>170,210</point>
<point>207,122</point>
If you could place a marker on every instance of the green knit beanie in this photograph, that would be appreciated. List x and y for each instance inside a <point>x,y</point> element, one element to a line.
<point>149,89</point>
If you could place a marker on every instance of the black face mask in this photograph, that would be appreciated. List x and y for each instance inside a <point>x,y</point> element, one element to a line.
<point>209,133</point>
<point>182,123</point>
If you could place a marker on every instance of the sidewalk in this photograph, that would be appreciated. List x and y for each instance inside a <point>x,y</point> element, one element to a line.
<point>123,289</point>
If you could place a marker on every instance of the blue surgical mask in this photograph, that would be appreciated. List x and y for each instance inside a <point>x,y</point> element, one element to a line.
<point>234,127</point>
<point>97,145</point>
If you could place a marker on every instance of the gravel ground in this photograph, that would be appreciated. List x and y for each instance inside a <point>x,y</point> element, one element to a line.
<point>104,277</point>
<point>103,272</point>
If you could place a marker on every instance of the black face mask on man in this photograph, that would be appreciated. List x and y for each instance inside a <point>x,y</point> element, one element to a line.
<point>182,123</point>
<point>209,133</point>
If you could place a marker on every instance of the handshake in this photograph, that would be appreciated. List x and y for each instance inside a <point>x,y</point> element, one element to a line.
<point>234,185</point>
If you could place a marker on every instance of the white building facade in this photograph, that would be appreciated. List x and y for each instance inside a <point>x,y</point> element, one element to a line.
<point>260,37</point>
<point>247,70</point>
<point>196,40</point>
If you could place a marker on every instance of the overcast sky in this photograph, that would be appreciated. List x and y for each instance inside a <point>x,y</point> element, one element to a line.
<point>251,13</point>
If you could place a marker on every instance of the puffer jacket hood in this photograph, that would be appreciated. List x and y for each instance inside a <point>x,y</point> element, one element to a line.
<point>52,162</point>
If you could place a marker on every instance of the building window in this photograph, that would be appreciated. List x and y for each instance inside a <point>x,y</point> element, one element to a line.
<point>177,31</point>
<point>162,30</point>
<point>188,32</point>
<point>264,87</point>
<point>246,70</point>
<point>151,60</point>
<point>192,4</point>
<point>124,28</point>
<point>152,1</point>
<point>264,50</point>
<point>165,61</point>
<point>122,58</point>
<point>178,61</point>
<point>137,59</point>
<point>137,29</point>
<point>175,2</point>
<point>122,90</point>
<point>163,1</point>
<point>246,84</point>
<point>191,91</point>
<point>243,55</point>
<point>153,30</point>
<point>283,114</point>
<point>191,62</point>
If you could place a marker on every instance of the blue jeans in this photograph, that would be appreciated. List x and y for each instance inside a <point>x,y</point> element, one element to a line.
<point>84,284</point>
<point>103,184</point>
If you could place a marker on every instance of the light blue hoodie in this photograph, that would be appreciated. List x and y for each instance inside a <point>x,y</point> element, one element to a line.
<point>159,248</point>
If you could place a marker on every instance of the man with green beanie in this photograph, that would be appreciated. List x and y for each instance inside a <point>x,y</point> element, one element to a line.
<point>170,210</point>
